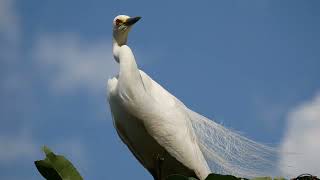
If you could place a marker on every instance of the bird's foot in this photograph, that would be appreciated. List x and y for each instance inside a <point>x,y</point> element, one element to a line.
<point>159,161</point>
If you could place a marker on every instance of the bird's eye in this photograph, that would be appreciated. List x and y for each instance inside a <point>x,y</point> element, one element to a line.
<point>118,21</point>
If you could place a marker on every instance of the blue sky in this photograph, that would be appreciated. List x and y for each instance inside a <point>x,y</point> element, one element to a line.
<point>250,65</point>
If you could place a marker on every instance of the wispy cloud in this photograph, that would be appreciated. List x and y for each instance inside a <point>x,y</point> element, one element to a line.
<point>69,62</point>
<point>9,30</point>
<point>15,147</point>
<point>75,151</point>
<point>9,23</point>
<point>269,111</point>
<point>18,144</point>
<point>302,138</point>
<point>72,62</point>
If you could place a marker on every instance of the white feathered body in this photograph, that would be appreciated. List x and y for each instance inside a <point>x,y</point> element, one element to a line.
<point>153,123</point>
<point>167,137</point>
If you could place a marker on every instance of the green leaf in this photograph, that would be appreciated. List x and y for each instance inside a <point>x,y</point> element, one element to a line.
<point>179,177</point>
<point>176,177</point>
<point>262,178</point>
<point>279,178</point>
<point>210,177</point>
<point>56,167</point>
<point>46,170</point>
<point>221,177</point>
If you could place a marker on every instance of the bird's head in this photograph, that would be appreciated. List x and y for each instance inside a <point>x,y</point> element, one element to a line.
<point>121,27</point>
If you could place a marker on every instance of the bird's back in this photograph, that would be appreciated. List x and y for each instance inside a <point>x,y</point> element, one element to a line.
<point>145,148</point>
<point>161,117</point>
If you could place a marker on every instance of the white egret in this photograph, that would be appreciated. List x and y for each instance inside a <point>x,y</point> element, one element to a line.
<point>167,137</point>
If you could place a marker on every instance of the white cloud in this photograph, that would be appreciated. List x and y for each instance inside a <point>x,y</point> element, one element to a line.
<point>19,144</point>
<point>74,63</point>
<point>302,138</point>
<point>21,148</point>
<point>72,149</point>
<point>69,62</point>
<point>9,30</point>
<point>9,24</point>
<point>17,147</point>
<point>269,111</point>
<point>75,151</point>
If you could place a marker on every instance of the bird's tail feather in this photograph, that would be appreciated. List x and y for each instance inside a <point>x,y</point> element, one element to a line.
<point>228,152</point>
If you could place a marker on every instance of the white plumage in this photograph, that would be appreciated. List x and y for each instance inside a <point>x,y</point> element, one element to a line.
<point>167,137</point>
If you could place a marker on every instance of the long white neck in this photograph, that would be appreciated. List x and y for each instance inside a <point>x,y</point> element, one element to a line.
<point>129,75</point>
<point>115,50</point>
<point>118,39</point>
<point>123,54</point>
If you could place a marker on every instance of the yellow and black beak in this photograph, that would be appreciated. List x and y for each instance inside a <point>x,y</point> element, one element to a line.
<point>131,21</point>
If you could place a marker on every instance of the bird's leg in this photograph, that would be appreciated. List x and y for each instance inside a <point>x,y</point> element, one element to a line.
<point>159,161</point>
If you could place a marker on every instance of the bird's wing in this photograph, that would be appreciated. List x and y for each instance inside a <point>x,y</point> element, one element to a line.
<point>168,123</point>
<point>121,131</point>
<point>158,92</point>
<point>226,151</point>
<point>177,129</point>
